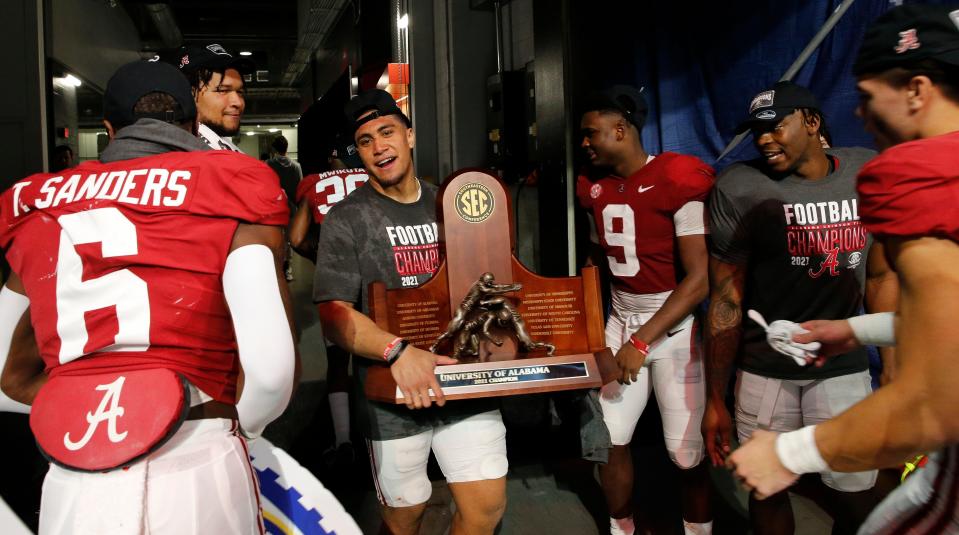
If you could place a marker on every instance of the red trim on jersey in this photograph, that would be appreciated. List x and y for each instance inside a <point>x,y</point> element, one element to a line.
<point>376,480</point>
<point>253,476</point>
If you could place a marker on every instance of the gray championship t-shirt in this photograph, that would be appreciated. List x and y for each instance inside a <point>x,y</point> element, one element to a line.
<point>805,251</point>
<point>370,237</point>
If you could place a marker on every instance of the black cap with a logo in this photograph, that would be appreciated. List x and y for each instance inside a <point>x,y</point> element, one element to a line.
<point>212,56</point>
<point>772,105</point>
<point>138,79</point>
<point>377,101</point>
<point>907,34</point>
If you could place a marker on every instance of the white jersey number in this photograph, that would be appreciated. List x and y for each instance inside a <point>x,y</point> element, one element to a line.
<point>341,188</point>
<point>122,289</point>
<point>625,239</point>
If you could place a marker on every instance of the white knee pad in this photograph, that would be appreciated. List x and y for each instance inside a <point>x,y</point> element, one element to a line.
<point>684,454</point>
<point>399,470</point>
<point>473,449</point>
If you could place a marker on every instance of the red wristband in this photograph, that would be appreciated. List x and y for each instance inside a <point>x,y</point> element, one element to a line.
<point>642,346</point>
<point>389,348</point>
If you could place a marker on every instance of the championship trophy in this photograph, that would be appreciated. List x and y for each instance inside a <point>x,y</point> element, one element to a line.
<point>512,331</point>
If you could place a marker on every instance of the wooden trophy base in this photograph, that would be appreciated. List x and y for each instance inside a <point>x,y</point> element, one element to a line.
<point>467,306</point>
<point>494,378</point>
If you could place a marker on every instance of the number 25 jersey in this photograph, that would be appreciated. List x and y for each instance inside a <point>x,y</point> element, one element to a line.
<point>122,262</point>
<point>639,217</point>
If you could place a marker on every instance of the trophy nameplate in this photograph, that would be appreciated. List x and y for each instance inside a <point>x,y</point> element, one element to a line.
<point>513,331</point>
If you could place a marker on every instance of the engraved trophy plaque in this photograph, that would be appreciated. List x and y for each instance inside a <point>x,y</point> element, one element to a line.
<point>512,331</point>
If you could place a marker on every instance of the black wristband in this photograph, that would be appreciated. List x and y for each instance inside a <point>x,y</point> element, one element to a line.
<point>396,352</point>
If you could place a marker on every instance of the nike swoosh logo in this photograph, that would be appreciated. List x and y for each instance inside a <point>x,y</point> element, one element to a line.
<point>643,189</point>
<point>674,333</point>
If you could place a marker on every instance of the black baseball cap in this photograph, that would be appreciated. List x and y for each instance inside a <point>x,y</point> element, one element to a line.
<point>625,99</point>
<point>771,105</point>
<point>378,101</point>
<point>345,150</point>
<point>213,56</point>
<point>139,78</point>
<point>907,34</point>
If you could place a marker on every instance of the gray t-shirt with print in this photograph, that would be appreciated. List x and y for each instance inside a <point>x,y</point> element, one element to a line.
<point>370,237</point>
<point>805,251</point>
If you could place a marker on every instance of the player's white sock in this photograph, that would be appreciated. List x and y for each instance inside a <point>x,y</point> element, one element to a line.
<point>692,528</point>
<point>621,526</point>
<point>340,410</point>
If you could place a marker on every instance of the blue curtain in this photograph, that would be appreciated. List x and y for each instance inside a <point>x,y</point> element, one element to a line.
<point>702,62</point>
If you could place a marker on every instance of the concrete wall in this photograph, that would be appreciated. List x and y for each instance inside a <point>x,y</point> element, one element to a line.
<point>108,36</point>
<point>23,118</point>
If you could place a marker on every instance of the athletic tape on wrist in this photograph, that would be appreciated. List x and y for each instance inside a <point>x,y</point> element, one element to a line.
<point>797,451</point>
<point>875,329</point>
<point>640,345</point>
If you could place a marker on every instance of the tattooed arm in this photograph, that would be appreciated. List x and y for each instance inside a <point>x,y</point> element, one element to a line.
<point>723,334</point>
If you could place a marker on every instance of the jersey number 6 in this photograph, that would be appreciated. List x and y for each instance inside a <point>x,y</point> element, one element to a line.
<point>122,289</point>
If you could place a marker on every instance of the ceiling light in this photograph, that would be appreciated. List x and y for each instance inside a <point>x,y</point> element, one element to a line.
<point>274,130</point>
<point>246,53</point>
<point>72,80</point>
<point>403,22</point>
<point>251,133</point>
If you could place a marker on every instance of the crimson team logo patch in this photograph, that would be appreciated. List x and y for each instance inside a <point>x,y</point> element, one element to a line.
<point>105,421</point>
<point>595,191</point>
<point>474,203</point>
<point>908,40</point>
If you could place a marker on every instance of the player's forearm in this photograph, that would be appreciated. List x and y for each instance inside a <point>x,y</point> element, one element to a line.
<point>353,331</point>
<point>916,412</point>
<point>23,373</point>
<point>22,389</point>
<point>691,291</point>
<point>299,226</point>
<point>724,326</point>
<point>890,426</point>
<point>719,352</point>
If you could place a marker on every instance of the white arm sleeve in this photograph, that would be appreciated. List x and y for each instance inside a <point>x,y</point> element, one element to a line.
<point>12,308</point>
<point>877,329</point>
<point>690,219</point>
<point>263,336</point>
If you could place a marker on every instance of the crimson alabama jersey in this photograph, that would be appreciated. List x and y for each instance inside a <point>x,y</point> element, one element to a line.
<point>912,189</point>
<point>122,262</point>
<point>635,218</point>
<point>323,190</point>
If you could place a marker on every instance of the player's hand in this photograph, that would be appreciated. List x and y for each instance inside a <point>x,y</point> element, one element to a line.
<point>413,373</point>
<point>757,467</point>
<point>836,337</point>
<point>717,428</point>
<point>630,360</point>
